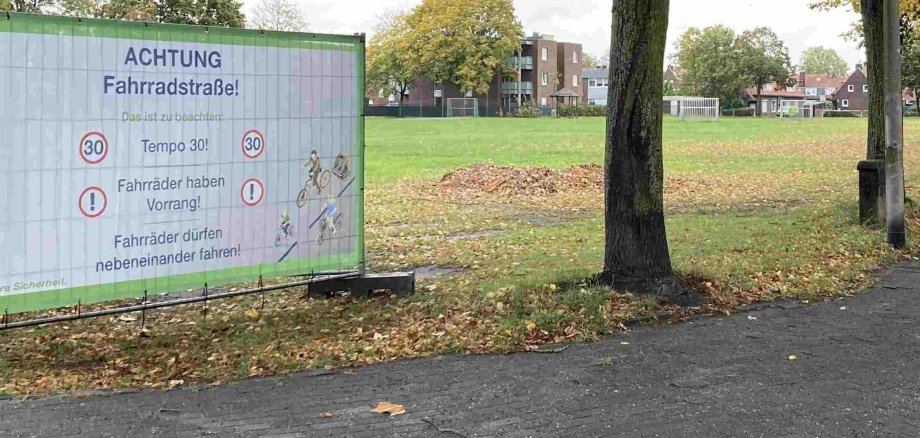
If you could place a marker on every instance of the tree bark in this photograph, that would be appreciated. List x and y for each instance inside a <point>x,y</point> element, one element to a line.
<point>873,26</point>
<point>636,257</point>
<point>757,108</point>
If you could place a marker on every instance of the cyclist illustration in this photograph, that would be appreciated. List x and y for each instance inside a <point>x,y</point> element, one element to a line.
<point>317,178</point>
<point>332,221</point>
<point>286,230</point>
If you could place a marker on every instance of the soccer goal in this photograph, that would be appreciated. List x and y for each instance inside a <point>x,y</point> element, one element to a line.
<point>796,109</point>
<point>698,108</point>
<point>463,107</point>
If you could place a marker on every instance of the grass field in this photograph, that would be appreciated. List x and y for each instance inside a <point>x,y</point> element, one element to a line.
<point>757,209</point>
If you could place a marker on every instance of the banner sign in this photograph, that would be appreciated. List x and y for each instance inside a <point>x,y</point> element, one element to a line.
<point>146,157</point>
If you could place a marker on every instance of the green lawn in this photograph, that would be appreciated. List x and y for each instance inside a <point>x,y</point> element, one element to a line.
<point>426,149</point>
<point>757,209</point>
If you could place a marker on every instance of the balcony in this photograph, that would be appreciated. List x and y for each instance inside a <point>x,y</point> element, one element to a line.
<point>512,87</point>
<point>524,62</point>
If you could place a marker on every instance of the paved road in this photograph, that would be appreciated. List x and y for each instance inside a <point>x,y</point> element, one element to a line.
<point>857,373</point>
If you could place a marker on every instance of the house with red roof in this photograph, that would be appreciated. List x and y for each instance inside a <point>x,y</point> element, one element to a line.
<point>770,97</point>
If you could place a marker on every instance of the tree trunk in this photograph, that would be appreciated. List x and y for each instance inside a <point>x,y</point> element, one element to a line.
<point>636,247</point>
<point>757,108</point>
<point>873,25</point>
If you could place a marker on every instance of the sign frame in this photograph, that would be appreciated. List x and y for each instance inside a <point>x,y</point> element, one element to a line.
<point>165,33</point>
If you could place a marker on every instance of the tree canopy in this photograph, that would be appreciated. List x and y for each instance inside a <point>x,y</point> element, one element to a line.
<point>763,58</point>
<point>710,60</point>
<point>463,42</point>
<point>821,60</point>
<point>282,15</point>
<point>224,13</point>
<point>389,60</point>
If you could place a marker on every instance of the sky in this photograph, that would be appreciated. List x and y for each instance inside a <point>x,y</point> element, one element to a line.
<point>588,21</point>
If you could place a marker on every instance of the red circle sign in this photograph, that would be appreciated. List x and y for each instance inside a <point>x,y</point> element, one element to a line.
<point>93,202</point>
<point>94,147</point>
<point>252,192</point>
<point>253,144</point>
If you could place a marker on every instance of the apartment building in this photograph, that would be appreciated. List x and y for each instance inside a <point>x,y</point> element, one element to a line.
<point>546,67</point>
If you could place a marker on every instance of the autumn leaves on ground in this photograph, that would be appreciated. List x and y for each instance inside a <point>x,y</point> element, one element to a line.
<point>502,218</point>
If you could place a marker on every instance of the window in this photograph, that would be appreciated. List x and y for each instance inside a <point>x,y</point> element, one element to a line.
<point>544,79</point>
<point>790,89</point>
<point>592,83</point>
<point>542,101</point>
<point>767,87</point>
<point>845,103</point>
<point>575,57</point>
<point>850,88</point>
<point>574,80</point>
<point>544,54</point>
<point>865,88</point>
<point>370,101</point>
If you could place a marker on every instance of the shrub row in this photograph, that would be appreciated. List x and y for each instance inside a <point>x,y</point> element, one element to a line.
<point>582,111</point>
<point>738,112</point>
<point>842,113</point>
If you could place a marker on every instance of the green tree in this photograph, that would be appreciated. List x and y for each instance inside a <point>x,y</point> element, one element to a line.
<point>636,256</point>
<point>133,10</point>
<point>910,69</point>
<point>31,6</point>
<point>763,59</point>
<point>590,61</point>
<point>464,42</point>
<point>389,58</point>
<point>820,60</point>
<point>711,63</point>
<point>870,32</point>
<point>223,13</point>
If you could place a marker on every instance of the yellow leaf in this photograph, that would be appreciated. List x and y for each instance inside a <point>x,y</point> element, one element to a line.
<point>793,357</point>
<point>251,314</point>
<point>386,407</point>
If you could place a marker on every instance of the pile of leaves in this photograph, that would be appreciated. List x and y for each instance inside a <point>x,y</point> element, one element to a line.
<point>489,179</point>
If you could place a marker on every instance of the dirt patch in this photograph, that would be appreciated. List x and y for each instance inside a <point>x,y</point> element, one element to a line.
<point>522,181</point>
<point>431,272</point>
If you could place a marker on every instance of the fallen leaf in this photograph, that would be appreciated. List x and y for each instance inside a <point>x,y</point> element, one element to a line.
<point>793,357</point>
<point>843,308</point>
<point>325,415</point>
<point>386,407</point>
<point>251,314</point>
<point>624,343</point>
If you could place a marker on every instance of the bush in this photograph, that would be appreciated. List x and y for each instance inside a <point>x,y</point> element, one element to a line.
<point>842,113</point>
<point>738,112</point>
<point>582,111</point>
<point>528,110</point>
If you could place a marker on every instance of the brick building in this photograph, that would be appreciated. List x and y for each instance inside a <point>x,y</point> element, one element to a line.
<point>853,94</point>
<point>545,65</point>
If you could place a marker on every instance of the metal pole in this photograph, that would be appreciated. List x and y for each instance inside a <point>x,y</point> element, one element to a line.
<point>520,77</point>
<point>894,127</point>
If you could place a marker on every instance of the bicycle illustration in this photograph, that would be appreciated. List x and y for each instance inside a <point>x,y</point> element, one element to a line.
<point>324,229</point>
<point>311,183</point>
<point>285,230</point>
<point>317,178</point>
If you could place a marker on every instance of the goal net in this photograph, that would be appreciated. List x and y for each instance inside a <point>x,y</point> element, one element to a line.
<point>698,107</point>
<point>463,107</point>
<point>796,109</point>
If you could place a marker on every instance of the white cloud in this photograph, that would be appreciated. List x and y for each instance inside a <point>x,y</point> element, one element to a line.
<point>588,21</point>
